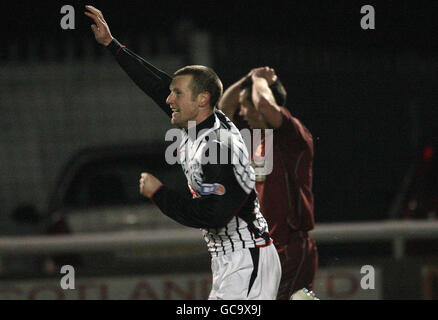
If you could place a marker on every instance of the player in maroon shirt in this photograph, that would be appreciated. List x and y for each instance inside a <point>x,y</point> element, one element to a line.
<point>257,101</point>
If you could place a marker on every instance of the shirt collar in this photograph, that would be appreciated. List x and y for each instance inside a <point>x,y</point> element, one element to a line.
<point>203,128</point>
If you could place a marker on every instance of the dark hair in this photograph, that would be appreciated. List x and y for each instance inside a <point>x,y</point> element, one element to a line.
<point>277,88</point>
<point>279,93</point>
<point>204,79</point>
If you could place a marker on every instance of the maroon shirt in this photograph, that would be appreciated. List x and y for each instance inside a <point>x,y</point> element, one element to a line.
<point>285,195</point>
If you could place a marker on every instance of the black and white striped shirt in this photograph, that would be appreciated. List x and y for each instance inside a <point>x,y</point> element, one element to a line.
<point>246,228</point>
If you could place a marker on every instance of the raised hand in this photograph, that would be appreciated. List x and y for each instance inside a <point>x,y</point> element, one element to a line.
<point>100,28</point>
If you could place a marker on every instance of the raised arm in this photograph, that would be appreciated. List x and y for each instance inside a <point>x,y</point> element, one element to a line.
<point>263,97</point>
<point>154,82</point>
<point>229,102</point>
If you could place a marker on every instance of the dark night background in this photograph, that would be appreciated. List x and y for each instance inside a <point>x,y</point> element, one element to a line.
<point>368,96</point>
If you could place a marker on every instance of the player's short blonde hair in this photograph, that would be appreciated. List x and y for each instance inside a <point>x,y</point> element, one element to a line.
<point>204,79</point>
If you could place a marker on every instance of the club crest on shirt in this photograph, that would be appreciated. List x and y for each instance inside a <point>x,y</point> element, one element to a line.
<point>215,188</point>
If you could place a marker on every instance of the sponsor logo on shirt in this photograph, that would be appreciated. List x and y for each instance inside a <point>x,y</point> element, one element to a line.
<point>215,188</point>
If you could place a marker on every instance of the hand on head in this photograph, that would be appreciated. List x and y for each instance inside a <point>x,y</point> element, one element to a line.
<point>264,72</point>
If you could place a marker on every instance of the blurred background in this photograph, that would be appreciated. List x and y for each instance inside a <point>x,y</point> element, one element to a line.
<point>72,121</point>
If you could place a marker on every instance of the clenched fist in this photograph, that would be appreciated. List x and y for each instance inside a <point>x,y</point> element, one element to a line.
<point>100,29</point>
<point>149,184</point>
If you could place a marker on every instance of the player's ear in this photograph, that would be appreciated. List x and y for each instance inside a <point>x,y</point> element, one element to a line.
<point>204,99</point>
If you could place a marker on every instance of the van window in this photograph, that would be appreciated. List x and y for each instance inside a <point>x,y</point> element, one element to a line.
<point>116,181</point>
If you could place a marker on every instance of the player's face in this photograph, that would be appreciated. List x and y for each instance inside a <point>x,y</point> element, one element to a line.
<point>249,112</point>
<point>184,106</point>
